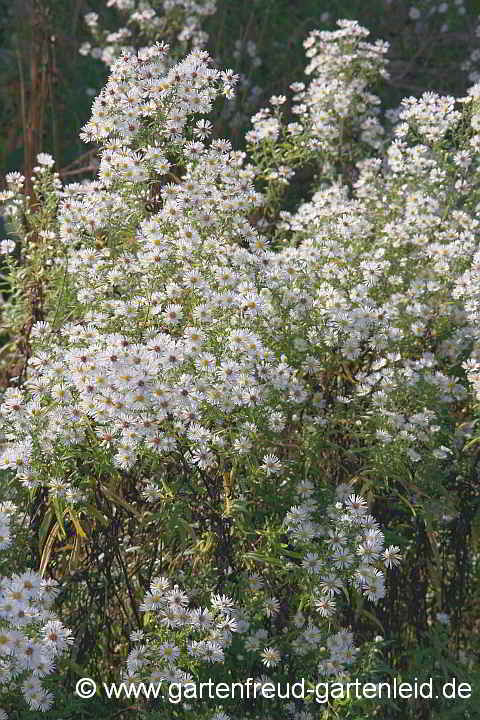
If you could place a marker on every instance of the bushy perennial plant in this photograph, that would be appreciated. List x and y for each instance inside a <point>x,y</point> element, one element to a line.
<point>390,246</point>
<point>176,332</point>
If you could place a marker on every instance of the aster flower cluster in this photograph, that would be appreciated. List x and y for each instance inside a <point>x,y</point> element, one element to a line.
<point>183,635</point>
<point>343,65</point>
<point>356,538</point>
<point>144,23</point>
<point>346,551</point>
<point>335,552</point>
<point>31,637</point>
<point>334,116</point>
<point>139,89</point>
<point>387,278</point>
